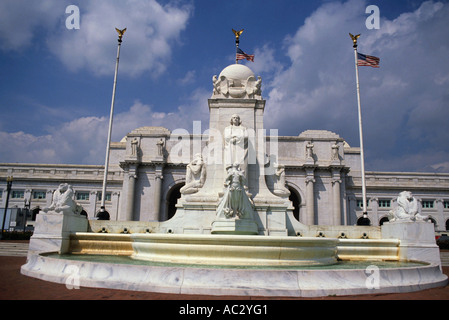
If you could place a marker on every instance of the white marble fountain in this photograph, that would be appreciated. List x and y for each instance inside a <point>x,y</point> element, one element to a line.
<point>231,234</point>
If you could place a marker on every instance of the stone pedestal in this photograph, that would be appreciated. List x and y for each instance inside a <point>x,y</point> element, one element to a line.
<point>234,226</point>
<point>417,240</point>
<point>236,154</point>
<point>52,232</point>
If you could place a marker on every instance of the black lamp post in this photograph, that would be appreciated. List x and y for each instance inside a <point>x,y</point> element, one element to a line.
<point>8,189</point>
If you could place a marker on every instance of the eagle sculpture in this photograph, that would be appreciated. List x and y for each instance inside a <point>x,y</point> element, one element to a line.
<point>120,33</point>
<point>237,33</point>
<point>354,38</point>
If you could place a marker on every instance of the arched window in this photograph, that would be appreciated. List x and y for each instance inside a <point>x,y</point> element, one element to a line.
<point>172,198</point>
<point>295,198</point>
<point>383,220</point>
<point>362,221</point>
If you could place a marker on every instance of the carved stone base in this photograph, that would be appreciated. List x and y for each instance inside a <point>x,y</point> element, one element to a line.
<point>417,240</point>
<point>52,232</point>
<point>234,226</point>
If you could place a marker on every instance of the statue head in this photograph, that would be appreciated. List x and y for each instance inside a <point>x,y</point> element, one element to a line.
<point>197,159</point>
<point>406,195</point>
<point>237,168</point>
<point>235,120</point>
<point>233,167</point>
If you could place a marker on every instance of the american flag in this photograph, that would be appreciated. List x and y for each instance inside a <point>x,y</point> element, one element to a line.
<point>242,55</point>
<point>365,60</point>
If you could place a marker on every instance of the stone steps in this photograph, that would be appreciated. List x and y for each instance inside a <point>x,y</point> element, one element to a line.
<point>444,255</point>
<point>13,249</point>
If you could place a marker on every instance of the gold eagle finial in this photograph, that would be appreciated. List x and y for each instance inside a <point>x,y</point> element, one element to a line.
<point>354,38</point>
<point>237,33</point>
<point>120,33</point>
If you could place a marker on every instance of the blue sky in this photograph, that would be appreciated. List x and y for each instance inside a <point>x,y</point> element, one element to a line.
<point>56,83</point>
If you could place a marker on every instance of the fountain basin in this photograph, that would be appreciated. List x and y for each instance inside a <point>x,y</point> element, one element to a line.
<point>234,250</point>
<point>244,265</point>
<point>124,273</point>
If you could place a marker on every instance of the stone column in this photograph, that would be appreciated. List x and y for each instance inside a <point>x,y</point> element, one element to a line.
<point>419,205</point>
<point>352,209</point>
<point>158,177</point>
<point>48,197</point>
<point>115,200</point>
<point>337,201</point>
<point>373,206</point>
<point>92,208</point>
<point>132,177</point>
<point>310,198</point>
<point>3,200</point>
<point>439,204</point>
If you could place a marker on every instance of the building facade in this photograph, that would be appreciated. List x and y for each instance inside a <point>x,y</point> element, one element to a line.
<point>324,190</point>
<point>318,169</point>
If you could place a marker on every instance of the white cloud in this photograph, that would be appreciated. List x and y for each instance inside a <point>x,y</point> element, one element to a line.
<point>266,63</point>
<point>189,78</point>
<point>404,102</point>
<point>83,140</point>
<point>22,20</point>
<point>152,30</point>
<point>441,167</point>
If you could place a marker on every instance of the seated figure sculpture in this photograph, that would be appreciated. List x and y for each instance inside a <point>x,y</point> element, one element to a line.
<point>195,175</point>
<point>63,202</point>
<point>279,183</point>
<point>407,209</point>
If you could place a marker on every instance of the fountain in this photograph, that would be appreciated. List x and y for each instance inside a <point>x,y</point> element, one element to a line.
<point>233,233</point>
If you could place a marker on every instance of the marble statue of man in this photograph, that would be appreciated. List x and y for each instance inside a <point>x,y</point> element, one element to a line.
<point>236,144</point>
<point>195,175</point>
<point>160,147</point>
<point>134,146</point>
<point>309,150</point>
<point>334,154</point>
<point>235,201</point>
<point>63,202</point>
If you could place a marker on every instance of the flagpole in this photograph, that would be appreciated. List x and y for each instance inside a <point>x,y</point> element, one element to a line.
<point>362,156</point>
<point>103,214</point>
<point>237,42</point>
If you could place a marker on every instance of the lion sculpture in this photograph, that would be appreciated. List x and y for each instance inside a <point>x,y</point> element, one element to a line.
<point>407,209</point>
<point>63,202</point>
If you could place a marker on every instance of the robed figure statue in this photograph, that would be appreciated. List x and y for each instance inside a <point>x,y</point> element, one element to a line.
<point>235,202</point>
<point>236,144</point>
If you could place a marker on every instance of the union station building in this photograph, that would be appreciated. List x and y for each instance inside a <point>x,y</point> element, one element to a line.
<point>147,170</point>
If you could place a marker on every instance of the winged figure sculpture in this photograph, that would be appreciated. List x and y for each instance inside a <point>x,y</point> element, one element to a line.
<point>354,38</point>
<point>120,33</point>
<point>237,33</point>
